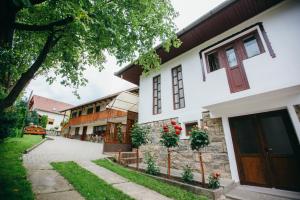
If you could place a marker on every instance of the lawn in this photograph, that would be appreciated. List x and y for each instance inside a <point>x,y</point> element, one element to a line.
<point>87,184</point>
<point>13,182</point>
<point>149,182</point>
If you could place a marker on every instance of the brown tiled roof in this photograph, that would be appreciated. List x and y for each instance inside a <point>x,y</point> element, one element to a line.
<point>49,105</point>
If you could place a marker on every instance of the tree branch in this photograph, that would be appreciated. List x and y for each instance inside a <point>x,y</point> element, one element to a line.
<point>46,27</point>
<point>34,2</point>
<point>29,74</point>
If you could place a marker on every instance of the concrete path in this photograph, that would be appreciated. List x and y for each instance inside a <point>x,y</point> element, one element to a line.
<point>47,184</point>
<point>134,190</point>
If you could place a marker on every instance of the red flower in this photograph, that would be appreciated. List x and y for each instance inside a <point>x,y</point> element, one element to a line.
<point>180,128</point>
<point>177,132</point>
<point>173,122</point>
<point>177,127</point>
<point>165,126</point>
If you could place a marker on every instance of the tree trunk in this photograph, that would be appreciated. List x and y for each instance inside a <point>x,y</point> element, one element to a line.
<point>169,163</point>
<point>202,168</point>
<point>28,75</point>
<point>137,158</point>
<point>8,13</point>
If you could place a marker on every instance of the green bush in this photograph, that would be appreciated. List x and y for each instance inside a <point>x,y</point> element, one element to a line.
<point>43,121</point>
<point>187,174</point>
<point>152,168</point>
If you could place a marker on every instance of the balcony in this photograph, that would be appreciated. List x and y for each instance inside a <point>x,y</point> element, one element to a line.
<point>85,119</point>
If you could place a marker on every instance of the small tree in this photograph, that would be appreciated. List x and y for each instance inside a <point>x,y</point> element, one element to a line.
<point>199,140</point>
<point>139,136</point>
<point>43,121</point>
<point>169,139</point>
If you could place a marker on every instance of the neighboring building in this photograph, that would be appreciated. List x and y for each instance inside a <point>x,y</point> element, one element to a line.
<point>238,73</point>
<point>51,108</point>
<point>109,118</point>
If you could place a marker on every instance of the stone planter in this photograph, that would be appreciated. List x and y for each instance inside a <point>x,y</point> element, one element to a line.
<point>216,194</point>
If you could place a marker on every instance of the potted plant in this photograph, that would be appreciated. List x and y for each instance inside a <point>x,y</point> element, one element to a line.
<point>139,136</point>
<point>170,138</point>
<point>199,140</point>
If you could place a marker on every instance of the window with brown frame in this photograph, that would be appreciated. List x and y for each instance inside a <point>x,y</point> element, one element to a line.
<point>77,130</point>
<point>189,126</point>
<point>248,45</point>
<point>90,110</point>
<point>74,114</point>
<point>98,108</point>
<point>178,93</point>
<point>156,95</point>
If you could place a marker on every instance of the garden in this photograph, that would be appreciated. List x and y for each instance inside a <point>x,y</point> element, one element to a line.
<point>170,134</point>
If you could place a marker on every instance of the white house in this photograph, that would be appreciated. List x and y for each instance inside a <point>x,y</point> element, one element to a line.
<point>238,72</point>
<point>51,108</point>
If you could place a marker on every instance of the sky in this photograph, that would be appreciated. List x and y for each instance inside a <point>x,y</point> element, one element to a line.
<point>104,83</point>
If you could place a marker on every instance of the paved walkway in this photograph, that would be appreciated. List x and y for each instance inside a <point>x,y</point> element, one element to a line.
<point>47,184</point>
<point>134,190</point>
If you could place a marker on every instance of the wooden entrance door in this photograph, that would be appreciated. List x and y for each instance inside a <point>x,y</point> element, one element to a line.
<point>236,75</point>
<point>267,150</point>
<point>83,136</point>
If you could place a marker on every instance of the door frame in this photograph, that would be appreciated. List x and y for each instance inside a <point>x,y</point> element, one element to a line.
<point>293,138</point>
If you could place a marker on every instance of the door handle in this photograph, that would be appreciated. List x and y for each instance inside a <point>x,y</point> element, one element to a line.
<point>267,149</point>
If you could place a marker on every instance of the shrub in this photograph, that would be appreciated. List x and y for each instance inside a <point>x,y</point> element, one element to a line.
<point>199,140</point>
<point>139,137</point>
<point>187,174</point>
<point>152,168</point>
<point>213,180</point>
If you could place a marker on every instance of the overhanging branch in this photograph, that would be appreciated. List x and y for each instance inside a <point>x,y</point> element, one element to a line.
<point>46,27</point>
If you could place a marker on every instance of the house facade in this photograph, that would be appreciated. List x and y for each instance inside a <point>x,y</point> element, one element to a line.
<point>51,108</point>
<point>237,72</point>
<point>107,119</point>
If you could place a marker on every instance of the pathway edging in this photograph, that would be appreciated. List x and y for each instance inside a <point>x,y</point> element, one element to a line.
<point>35,146</point>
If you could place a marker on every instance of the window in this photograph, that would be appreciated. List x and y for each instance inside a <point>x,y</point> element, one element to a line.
<point>189,126</point>
<point>97,109</point>
<point>156,95</point>
<point>89,110</point>
<point>213,61</point>
<point>244,47</point>
<point>231,57</point>
<point>98,130</point>
<point>178,93</point>
<point>77,130</point>
<point>79,113</point>
<point>251,46</point>
<point>74,114</point>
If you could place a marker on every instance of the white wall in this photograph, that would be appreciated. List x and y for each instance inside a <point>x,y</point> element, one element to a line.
<point>57,119</point>
<point>264,73</point>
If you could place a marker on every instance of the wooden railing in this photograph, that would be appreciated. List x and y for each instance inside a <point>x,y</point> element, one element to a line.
<point>84,119</point>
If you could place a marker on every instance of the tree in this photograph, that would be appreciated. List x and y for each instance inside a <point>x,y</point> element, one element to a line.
<point>32,117</point>
<point>11,120</point>
<point>199,139</point>
<point>64,37</point>
<point>169,139</point>
<point>139,137</point>
<point>43,121</point>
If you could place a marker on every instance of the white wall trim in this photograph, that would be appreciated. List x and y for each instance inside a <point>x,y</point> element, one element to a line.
<point>295,120</point>
<point>230,150</point>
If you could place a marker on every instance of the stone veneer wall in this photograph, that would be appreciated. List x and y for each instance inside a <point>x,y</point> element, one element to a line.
<point>215,155</point>
<point>297,108</point>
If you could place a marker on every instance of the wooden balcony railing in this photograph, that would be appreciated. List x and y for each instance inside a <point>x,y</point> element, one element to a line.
<point>84,119</point>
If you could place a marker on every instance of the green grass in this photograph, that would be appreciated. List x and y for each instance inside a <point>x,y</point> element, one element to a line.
<point>87,184</point>
<point>13,182</point>
<point>149,182</point>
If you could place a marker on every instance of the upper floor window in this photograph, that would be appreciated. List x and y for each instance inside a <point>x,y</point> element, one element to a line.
<point>156,95</point>
<point>213,61</point>
<point>239,49</point>
<point>97,108</point>
<point>251,46</point>
<point>89,110</point>
<point>178,93</point>
<point>74,114</point>
<point>79,113</point>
